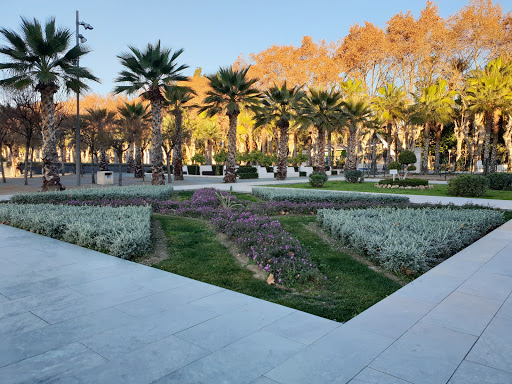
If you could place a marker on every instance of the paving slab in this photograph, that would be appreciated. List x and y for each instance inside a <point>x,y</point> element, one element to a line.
<point>472,373</point>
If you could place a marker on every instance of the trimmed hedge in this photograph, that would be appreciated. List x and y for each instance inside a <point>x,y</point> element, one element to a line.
<point>317,180</point>
<point>468,186</point>
<point>193,169</point>
<point>409,240</point>
<point>500,181</point>
<point>247,172</point>
<point>405,183</point>
<point>354,176</point>
<point>123,232</point>
<point>159,192</point>
<point>308,195</point>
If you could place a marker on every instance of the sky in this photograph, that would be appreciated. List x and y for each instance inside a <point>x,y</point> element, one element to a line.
<point>212,33</point>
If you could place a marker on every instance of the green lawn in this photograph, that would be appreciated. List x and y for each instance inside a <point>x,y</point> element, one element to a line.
<point>439,189</point>
<point>350,288</point>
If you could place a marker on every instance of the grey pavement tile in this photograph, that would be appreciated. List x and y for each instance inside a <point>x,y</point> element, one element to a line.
<point>74,274</point>
<point>108,284</point>
<point>425,354</point>
<point>505,311</point>
<point>302,327</point>
<point>371,376</point>
<point>167,300</point>
<point>334,359</point>
<point>10,268</point>
<point>57,297</point>
<point>17,291</point>
<point>459,267</point>
<point>472,373</point>
<point>500,264</point>
<point>84,305</point>
<point>34,258</point>
<point>494,348</point>
<point>464,313</point>
<point>490,285</point>
<point>392,316</point>
<point>225,329</point>
<point>20,323</point>
<point>145,365</point>
<point>50,366</point>
<point>28,344</point>
<point>432,287</point>
<point>3,299</point>
<point>263,380</point>
<point>225,301</point>
<point>238,363</point>
<point>116,342</point>
<point>10,280</point>
<point>482,250</point>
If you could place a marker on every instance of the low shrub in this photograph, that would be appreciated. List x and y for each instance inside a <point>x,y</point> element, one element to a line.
<point>246,169</point>
<point>500,181</point>
<point>248,175</point>
<point>409,240</point>
<point>317,179</point>
<point>468,185</point>
<point>411,168</point>
<point>218,169</point>
<point>404,183</point>
<point>394,165</point>
<point>123,232</point>
<point>307,195</point>
<point>160,192</point>
<point>303,173</point>
<point>354,176</point>
<point>407,157</point>
<point>334,173</point>
<point>193,169</point>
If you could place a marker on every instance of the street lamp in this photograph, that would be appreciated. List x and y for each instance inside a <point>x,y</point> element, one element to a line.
<point>79,39</point>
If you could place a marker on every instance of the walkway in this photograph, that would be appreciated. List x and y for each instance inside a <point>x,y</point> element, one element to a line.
<point>72,315</point>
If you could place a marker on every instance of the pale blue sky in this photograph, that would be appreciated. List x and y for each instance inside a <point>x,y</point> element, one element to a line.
<point>213,33</point>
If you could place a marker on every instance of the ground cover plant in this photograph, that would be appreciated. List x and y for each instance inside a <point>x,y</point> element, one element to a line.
<point>123,232</point>
<point>409,240</point>
<point>438,190</point>
<point>131,192</point>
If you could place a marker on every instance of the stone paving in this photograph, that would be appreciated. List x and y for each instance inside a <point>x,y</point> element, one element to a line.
<point>73,315</point>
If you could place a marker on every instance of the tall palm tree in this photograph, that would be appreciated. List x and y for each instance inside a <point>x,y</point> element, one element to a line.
<point>391,104</point>
<point>134,117</point>
<point>434,108</point>
<point>358,114</point>
<point>279,106</point>
<point>489,91</point>
<point>322,109</point>
<point>229,89</point>
<point>148,72</point>
<point>44,58</point>
<point>178,98</point>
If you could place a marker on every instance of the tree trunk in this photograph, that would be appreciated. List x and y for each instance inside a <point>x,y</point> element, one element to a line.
<point>4,180</point>
<point>51,179</point>
<point>351,163</point>
<point>263,141</point>
<point>62,160</point>
<point>507,136</point>
<point>397,142</point>
<point>169,175</point>
<point>120,164</point>
<point>129,158</point>
<point>373,142</point>
<point>138,170</point>
<point>158,176</point>
<point>92,168</point>
<point>424,162</point>
<point>230,176</point>
<point>177,157</point>
<point>489,123</point>
<point>320,144</point>
<point>495,135</point>
<point>282,159</point>
<point>438,147</point>
<point>31,161</point>
<point>25,169</point>
<point>389,141</point>
<point>295,140</point>
<point>103,163</point>
<point>251,139</point>
<point>329,148</point>
<point>208,151</point>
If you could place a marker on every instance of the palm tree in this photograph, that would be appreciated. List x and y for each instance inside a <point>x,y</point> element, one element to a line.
<point>322,109</point>
<point>96,135</point>
<point>434,108</point>
<point>134,117</point>
<point>209,131</point>
<point>178,97</point>
<point>229,89</point>
<point>358,114</point>
<point>391,105</point>
<point>42,58</point>
<point>148,72</point>
<point>279,106</point>
<point>489,91</point>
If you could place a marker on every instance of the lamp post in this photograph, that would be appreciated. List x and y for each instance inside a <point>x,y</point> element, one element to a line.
<point>79,39</point>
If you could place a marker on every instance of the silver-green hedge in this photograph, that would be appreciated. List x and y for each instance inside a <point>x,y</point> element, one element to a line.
<point>409,239</point>
<point>123,232</point>
<point>159,192</point>
<point>307,195</point>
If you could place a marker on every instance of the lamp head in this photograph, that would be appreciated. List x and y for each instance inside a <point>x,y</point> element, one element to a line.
<point>82,38</point>
<point>86,25</point>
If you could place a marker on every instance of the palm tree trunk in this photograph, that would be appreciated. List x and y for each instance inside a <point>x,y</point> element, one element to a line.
<point>208,151</point>
<point>120,165</point>
<point>507,136</point>
<point>157,166</point>
<point>25,172</point>
<point>438,147</point>
<point>351,163</point>
<point>138,170</point>
<point>51,179</point>
<point>282,160</point>
<point>295,139</point>
<point>92,167</point>
<point>177,157</point>
<point>129,158</point>
<point>496,124</point>
<point>424,162</point>
<point>4,180</point>
<point>329,148</point>
<point>230,176</point>
<point>320,153</point>
<point>389,141</point>
<point>263,140</point>
<point>489,123</point>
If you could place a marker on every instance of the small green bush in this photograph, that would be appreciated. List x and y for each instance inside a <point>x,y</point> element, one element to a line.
<point>159,192</point>
<point>411,168</point>
<point>354,176</point>
<point>394,165</point>
<point>500,181</point>
<point>193,169</point>
<point>246,169</point>
<point>468,186</point>
<point>334,173</point>
<point>404,183</point>
<point>317,179</point>
<point>303,173</point>
<point>407,157</point>
<point>198,158</point>
<point>218,169</point>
